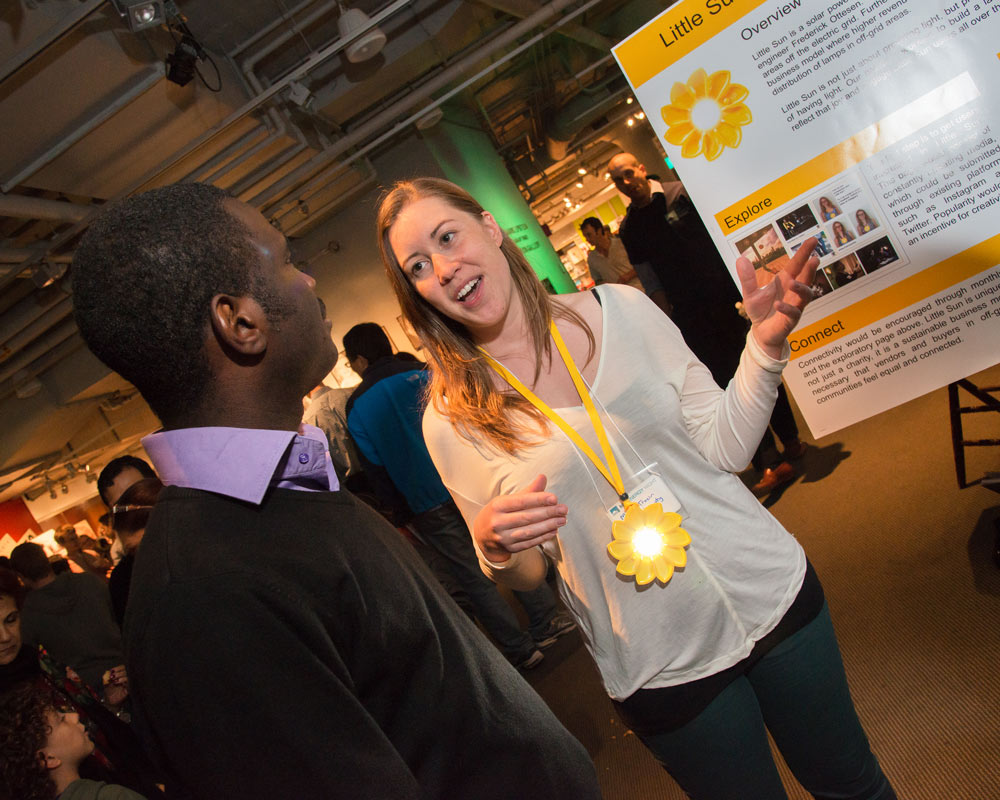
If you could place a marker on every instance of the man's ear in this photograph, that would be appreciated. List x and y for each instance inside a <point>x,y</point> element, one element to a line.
<point>240,322</point>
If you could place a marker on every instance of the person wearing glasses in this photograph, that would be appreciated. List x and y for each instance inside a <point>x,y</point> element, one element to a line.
<point>128,523</point>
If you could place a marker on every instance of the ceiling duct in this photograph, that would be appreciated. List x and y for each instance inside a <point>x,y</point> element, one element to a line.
<point>574,116</point>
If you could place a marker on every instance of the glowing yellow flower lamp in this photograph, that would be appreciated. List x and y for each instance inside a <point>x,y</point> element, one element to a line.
<point>706,114</point>
<point>649,543</point>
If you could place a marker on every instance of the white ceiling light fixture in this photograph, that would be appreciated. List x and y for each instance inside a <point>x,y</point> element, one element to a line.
<point>367,45</point>
<point>141,14</point>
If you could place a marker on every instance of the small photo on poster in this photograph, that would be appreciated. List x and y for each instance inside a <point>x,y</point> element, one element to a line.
<point>841,234</point>
<point>842,272</point>
<point>821,284</point>
<point>797,222</point>
<point>863,221</point>
<point>765,251</point>
<point>827,208</point>
<point>822,249</point>
<point>877,254</point>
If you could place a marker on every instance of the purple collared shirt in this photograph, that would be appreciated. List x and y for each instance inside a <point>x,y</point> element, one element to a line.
<point>243,462</point>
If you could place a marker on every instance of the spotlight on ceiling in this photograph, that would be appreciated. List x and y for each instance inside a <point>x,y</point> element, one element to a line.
<point>52,491</point>
<point>141,14</point>
<point>47,273</point>
<point>182,63</point>
<point>367,45</point>
<point>65,489</point>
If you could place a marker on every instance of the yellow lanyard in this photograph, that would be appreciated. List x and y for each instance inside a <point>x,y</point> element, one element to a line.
<point>648,543</point>
<point>610,472</point>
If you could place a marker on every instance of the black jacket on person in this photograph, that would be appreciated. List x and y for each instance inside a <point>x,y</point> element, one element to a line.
<point>697,283</point>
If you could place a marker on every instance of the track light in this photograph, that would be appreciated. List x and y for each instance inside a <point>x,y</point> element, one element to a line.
<point>182,63</point>
<point>65,488</point>
<point>52,491</point>
<point>141,14</point>
<point>47,273</point>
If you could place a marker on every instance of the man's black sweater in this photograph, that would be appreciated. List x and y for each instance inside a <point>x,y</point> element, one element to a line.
<point>299,649</point>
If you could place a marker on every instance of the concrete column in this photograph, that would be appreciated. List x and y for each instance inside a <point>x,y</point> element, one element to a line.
<point>466,156</point>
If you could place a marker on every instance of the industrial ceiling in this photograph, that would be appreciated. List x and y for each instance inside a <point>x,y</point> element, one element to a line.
<point>282,103</point>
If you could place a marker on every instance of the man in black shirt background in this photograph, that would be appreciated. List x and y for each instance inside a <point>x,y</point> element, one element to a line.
<point>702,294</point>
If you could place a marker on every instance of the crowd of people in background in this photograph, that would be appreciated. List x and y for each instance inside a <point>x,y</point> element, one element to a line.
<point>259,631</point>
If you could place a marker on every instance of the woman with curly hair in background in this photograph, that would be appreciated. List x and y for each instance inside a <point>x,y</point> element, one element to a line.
<point>118,755</point>
<point>43,749</point>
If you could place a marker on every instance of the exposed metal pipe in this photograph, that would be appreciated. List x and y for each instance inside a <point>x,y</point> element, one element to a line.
<point>21,255</point>
<point>581,110</point>
<point>251,62</point>
<point>40,253</point>
<point>55,337</point>
<point>46,320</point>
<point>230,165</point>
<point>228,151</point>
<point>419,95</point>
<point>24,207</point>
<point>22,314</point>
<point>61,351</point>
<point>341,199</point>
<point>271,26</point>
<point>422,93</point>
<point>66,23</point>
<point>525,8</point>
<point>265,171</point>
<point>147,79</point>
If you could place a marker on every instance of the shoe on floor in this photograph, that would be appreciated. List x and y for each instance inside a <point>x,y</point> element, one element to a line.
<point>795,450</point>
<point>559,625</point>
<point>773,478</point>
<point>533,660</point>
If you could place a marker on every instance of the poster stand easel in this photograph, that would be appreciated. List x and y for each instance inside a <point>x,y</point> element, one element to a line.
<point>959,443</point>
<point>991,480</point>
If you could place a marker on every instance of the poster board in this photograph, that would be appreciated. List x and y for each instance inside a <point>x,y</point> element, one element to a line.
<point>870,124</point>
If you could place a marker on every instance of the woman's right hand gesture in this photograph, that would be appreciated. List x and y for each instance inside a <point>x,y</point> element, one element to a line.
<point>519,521</point>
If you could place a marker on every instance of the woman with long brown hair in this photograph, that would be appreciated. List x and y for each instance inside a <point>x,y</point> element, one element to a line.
<point>580,431</point>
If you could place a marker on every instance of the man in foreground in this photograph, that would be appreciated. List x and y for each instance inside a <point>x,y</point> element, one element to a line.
<point>282,639</point>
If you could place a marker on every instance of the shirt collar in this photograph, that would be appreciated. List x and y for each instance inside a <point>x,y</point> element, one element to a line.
<point>243,462</point>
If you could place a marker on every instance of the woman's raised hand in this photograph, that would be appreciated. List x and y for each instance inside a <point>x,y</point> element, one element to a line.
<point>775,309</point>
<point>519,521</point>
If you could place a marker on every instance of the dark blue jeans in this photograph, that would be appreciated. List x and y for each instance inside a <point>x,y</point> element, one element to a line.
<point>798,692</point>
<point>444,529</point>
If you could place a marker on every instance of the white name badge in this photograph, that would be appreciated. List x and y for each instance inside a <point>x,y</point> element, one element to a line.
<point>651,489</point>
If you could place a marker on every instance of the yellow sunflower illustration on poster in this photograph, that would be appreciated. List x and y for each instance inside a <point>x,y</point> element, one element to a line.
<point>706,115</point>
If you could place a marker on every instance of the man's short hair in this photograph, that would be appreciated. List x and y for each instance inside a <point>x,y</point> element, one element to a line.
<point>115,467</point>
<point>143,276</point>
<point>592,222</point>
<point>29,561</point>
<point>369,340</point>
